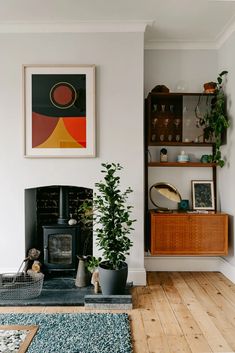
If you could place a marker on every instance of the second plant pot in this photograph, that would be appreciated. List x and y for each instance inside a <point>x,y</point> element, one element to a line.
<point>112,281</point>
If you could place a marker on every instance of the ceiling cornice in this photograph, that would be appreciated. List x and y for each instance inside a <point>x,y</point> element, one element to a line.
<point>115,27</point>
<point>194,45</point>
<point>226,33</point>
<point>180,45</point>
<point>74,27</point>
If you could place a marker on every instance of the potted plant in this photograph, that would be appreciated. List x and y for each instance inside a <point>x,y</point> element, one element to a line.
<point>92,266</point>
<point>215,121</point>
<point>113,225</point>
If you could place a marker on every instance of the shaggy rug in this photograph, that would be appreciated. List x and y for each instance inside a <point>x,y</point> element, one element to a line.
<point>75,333</point>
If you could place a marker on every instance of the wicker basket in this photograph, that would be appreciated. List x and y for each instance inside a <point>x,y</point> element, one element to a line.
<point>19,286</point>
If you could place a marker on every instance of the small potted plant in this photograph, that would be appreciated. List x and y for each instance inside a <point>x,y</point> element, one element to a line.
<point>112,227</point>
<point>215,122</point>
<point>92,266</point>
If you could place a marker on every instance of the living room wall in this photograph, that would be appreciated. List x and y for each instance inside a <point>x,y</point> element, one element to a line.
<point>188,70</point>
<point>119,130</point>
<point>192,68</point>
<point>179,68</point>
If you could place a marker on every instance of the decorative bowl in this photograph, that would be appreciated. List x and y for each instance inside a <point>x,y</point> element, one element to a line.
<point>183,158</point>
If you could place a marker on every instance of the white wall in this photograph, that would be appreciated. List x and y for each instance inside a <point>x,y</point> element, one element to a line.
<point>227,174</point>
<point>192,68</point>
<point>119,104</point>
<point>184,68</point>
<point>189,69</point>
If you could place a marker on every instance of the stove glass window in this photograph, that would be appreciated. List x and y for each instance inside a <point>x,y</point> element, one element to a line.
<point>60,249</point>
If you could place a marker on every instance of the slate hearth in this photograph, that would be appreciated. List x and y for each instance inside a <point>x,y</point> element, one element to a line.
<point>61,291</point>
<point>57,291</point>
<point>99,301</point>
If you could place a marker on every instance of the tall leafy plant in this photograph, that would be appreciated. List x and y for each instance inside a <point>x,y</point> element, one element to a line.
<point>112,217</point>
<point>215,121</point>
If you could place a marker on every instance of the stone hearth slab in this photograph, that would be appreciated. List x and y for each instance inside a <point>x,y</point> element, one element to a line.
<point>99,301</point>
<point>56,292</point>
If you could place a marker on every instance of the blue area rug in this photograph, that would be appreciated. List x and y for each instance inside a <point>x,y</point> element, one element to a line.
<point>76,333</point>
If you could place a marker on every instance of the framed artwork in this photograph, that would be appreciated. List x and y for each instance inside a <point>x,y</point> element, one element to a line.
<point>203,195</point>
<point>59,111</point>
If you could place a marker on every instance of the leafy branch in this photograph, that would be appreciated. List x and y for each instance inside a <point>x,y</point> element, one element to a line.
<point>215,121</point>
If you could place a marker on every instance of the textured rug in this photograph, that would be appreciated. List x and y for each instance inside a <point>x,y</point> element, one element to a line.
<point>75,333</point>
<point>16,338</point>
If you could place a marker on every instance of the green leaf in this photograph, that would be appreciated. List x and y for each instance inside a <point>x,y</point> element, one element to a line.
<point>215,121</point>
<point>223,73</point>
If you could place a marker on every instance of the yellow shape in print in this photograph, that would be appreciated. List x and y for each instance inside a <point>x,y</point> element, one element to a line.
<point>60,138</point>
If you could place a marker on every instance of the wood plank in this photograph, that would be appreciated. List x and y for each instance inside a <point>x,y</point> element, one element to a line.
<point>212,309</point>
<point>139,340</point>
<point>193,334</point>
<point>224,279</point>
<point>198,343</point>
<point>217,296</point>
<point>158,345</point>
<point>213,336</point>
<point>216,314</point>
<point>164,311</point>
<point>153,278</point>
<point>134,295</point>
<point>151,322</point>
<point>222,284</point>
<point>178,164</point>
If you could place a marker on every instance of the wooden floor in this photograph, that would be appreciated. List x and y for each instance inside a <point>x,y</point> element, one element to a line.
<point>177,312</point>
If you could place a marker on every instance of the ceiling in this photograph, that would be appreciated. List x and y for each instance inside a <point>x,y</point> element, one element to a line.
<point>169,21</point>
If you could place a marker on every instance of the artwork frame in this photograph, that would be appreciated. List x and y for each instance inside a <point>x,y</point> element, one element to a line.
<point>203,195</point>
<point>59,111</point>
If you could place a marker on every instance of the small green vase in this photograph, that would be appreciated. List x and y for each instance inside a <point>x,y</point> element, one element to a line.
<point>204,158</point>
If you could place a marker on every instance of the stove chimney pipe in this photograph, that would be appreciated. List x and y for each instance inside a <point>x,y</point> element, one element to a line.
<point>63,206</point>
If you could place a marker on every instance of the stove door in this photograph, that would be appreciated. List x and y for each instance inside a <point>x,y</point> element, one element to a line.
<point>60,247</point>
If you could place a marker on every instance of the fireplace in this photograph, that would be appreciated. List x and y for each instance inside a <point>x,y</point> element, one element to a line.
<point>47,211</point>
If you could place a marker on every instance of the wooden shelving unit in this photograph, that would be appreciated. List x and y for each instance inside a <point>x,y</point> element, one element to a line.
<point>168,234</point>
<point>186,144</point>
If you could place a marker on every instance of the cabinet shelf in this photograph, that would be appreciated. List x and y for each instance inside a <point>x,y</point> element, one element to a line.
<point>189,144</point>
<point>177,164</point>
<point>172,94</point>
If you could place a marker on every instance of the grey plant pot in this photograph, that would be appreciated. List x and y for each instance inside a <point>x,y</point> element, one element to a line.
<point>113,281</point>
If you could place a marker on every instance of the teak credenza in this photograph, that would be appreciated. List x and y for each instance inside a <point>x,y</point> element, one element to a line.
<point>179,233</point>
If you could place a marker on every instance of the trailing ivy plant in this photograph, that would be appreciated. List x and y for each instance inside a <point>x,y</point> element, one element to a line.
<point>112,217</point>
<point>215,121</point>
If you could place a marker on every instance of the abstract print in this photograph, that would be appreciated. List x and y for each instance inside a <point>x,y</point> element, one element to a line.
<point>59,111</point>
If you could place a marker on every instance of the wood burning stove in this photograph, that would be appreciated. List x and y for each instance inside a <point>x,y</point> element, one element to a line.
<point>60,247</point>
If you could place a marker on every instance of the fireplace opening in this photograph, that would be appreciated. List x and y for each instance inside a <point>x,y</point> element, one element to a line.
<point>47,211</point>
